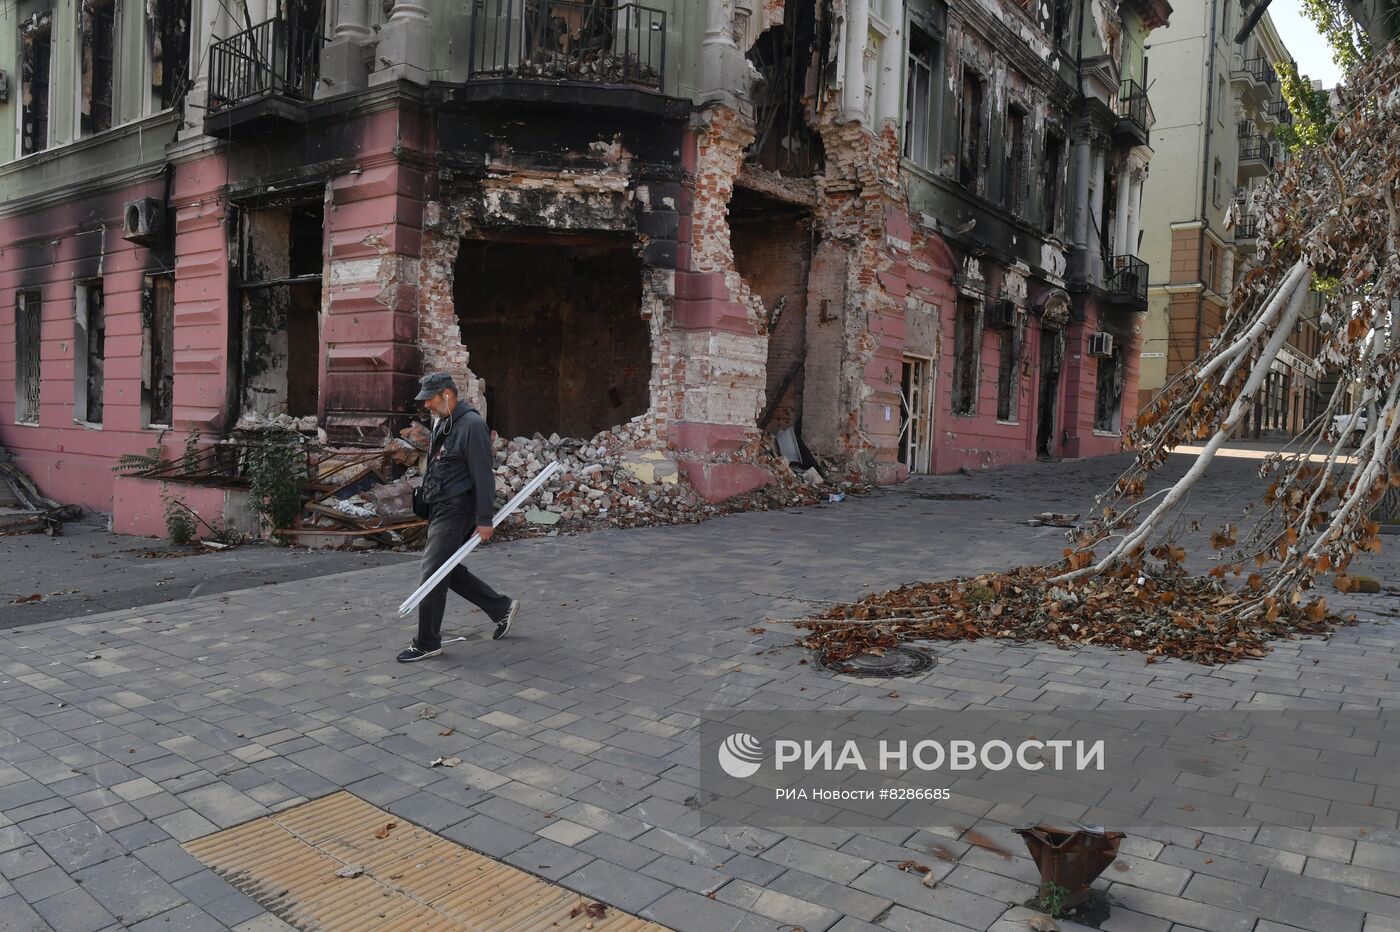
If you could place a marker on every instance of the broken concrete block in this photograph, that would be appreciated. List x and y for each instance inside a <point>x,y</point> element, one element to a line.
<point>813,477</point>
<point>536,516</point>
<point>651,467</point>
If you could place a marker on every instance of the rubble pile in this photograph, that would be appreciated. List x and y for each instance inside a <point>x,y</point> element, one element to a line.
<point>619,479</point>
<point>615,479</point>
<point>1187,617</point>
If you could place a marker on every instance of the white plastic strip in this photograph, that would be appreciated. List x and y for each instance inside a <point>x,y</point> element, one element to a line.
<point>410,603</point>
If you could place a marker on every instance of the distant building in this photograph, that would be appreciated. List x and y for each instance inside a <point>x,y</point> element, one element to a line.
<point>1218,107</point>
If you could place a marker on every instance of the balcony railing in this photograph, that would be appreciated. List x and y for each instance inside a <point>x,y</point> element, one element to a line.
<point>1134,106</point>
<point>1127,281</point>
<point>1278,110</point>
<point>1256,148</point>
<point>272,58</point>
<point>1247,227</point>
<point>1260,70</point>
<point>594,41</point>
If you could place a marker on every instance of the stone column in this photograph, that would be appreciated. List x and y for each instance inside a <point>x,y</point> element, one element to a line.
<point>404,52</point>
<point>1120,213</point>
<point>208,18</point>
<point>1095,253</point>
<point>343,59</point>
<point>1135,220</point>
<point>1082,164</point>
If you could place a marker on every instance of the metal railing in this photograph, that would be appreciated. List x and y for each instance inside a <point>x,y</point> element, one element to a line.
<point>1278,110</point>
<point>1256,149</point>
<point>1134,105</point>
<point>271,58</point>
<point>1260,69</point>
<point>1247,227</point>
<point>595,41</point>
<point>1127,278</point>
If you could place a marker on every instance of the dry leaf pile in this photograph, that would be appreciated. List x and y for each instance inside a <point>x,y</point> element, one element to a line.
<point>1187,617</point>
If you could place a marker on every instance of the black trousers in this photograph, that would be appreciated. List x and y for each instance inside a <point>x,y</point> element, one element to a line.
<point>449,526</point>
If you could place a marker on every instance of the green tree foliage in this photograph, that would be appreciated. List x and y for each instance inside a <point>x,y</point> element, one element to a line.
<point>1337,24</point>
<point>1312,114</point>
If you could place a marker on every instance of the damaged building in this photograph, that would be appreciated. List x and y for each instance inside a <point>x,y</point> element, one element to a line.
<point>903,231</point>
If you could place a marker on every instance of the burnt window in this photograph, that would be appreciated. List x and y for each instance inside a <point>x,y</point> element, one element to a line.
<point>99,36</point>
<point>966,343</point>
<point>919,97</point>
<point>89,351</point>
<point>1014,187</point>
<point>36,48</point>
<point>1059,20</point>
<point>1054,171</point>
<point>1108,394</point>
<point>29,317</point>
<point>970,143</point>
<point>169,30</point>
<point>1007,383</point>
<point>158,349</point>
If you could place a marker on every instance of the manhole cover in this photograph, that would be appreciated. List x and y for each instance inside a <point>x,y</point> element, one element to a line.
<point>895,661</point>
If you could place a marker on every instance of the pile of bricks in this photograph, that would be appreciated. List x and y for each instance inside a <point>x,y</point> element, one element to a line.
<point>619,479</point>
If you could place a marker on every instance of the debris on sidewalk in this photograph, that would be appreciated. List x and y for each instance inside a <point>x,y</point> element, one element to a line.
<point>1053,519</point>
<point>1169,616</point>
<point>23,508</point>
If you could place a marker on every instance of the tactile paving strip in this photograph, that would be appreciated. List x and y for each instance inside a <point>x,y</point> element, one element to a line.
<point>411,878</point>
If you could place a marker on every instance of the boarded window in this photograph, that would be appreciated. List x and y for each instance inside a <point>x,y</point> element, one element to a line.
<point>89,352</point>
<point>36,47</point>
<point>919,97</point>
<point>28,319</point>
<point>966,342</point>
<point>970,142</point>
<point>99,35</point>
<point>157,349</point>
<point>1007,383</point>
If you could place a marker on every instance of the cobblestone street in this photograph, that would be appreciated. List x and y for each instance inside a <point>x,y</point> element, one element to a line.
<point>125,734</point>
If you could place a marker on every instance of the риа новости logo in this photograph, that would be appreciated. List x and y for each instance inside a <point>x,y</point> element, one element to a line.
<point>740,755</point>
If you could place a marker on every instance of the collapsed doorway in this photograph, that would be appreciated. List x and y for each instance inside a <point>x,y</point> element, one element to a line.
<point>555,330</point>
<point>279,262</point>
<point>916,412</point>
<point>772,244</point>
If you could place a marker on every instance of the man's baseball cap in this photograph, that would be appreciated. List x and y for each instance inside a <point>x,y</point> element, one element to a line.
<point>433,383</point>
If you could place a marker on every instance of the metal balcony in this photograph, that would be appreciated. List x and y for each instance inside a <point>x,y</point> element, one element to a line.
<point>1277,110</point>
<point>1246,228</point>
<point>590,41</point>
<point>1256,156</point>
<point>262,77</point>
<point>1135,116</point>
<point>1126,282</point>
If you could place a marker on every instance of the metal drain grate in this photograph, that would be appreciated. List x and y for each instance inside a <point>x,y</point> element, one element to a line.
<point>340,863</point>
<point>895,661</point>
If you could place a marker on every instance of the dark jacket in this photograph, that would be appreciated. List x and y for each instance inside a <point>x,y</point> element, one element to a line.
<point>460,463</point>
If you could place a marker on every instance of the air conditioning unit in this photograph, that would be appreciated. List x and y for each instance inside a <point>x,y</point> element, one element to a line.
<point>143,221</point>
<point>1002,314</point>
<point>1101,344</point>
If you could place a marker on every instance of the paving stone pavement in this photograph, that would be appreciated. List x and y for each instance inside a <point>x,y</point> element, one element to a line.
<point>125,734</point>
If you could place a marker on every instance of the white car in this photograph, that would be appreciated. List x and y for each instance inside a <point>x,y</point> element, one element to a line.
<point>1339,424</point>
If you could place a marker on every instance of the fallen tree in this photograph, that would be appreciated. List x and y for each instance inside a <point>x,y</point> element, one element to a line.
<point>1330,226</point>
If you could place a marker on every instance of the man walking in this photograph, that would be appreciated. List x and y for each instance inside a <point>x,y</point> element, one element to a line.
<point>459,491</point>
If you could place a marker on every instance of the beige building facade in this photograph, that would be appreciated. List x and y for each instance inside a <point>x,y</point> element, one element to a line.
<point>1219,107</point>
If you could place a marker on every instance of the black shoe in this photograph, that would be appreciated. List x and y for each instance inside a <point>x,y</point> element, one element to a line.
<point>412,654</point>
<point>503,625</point>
